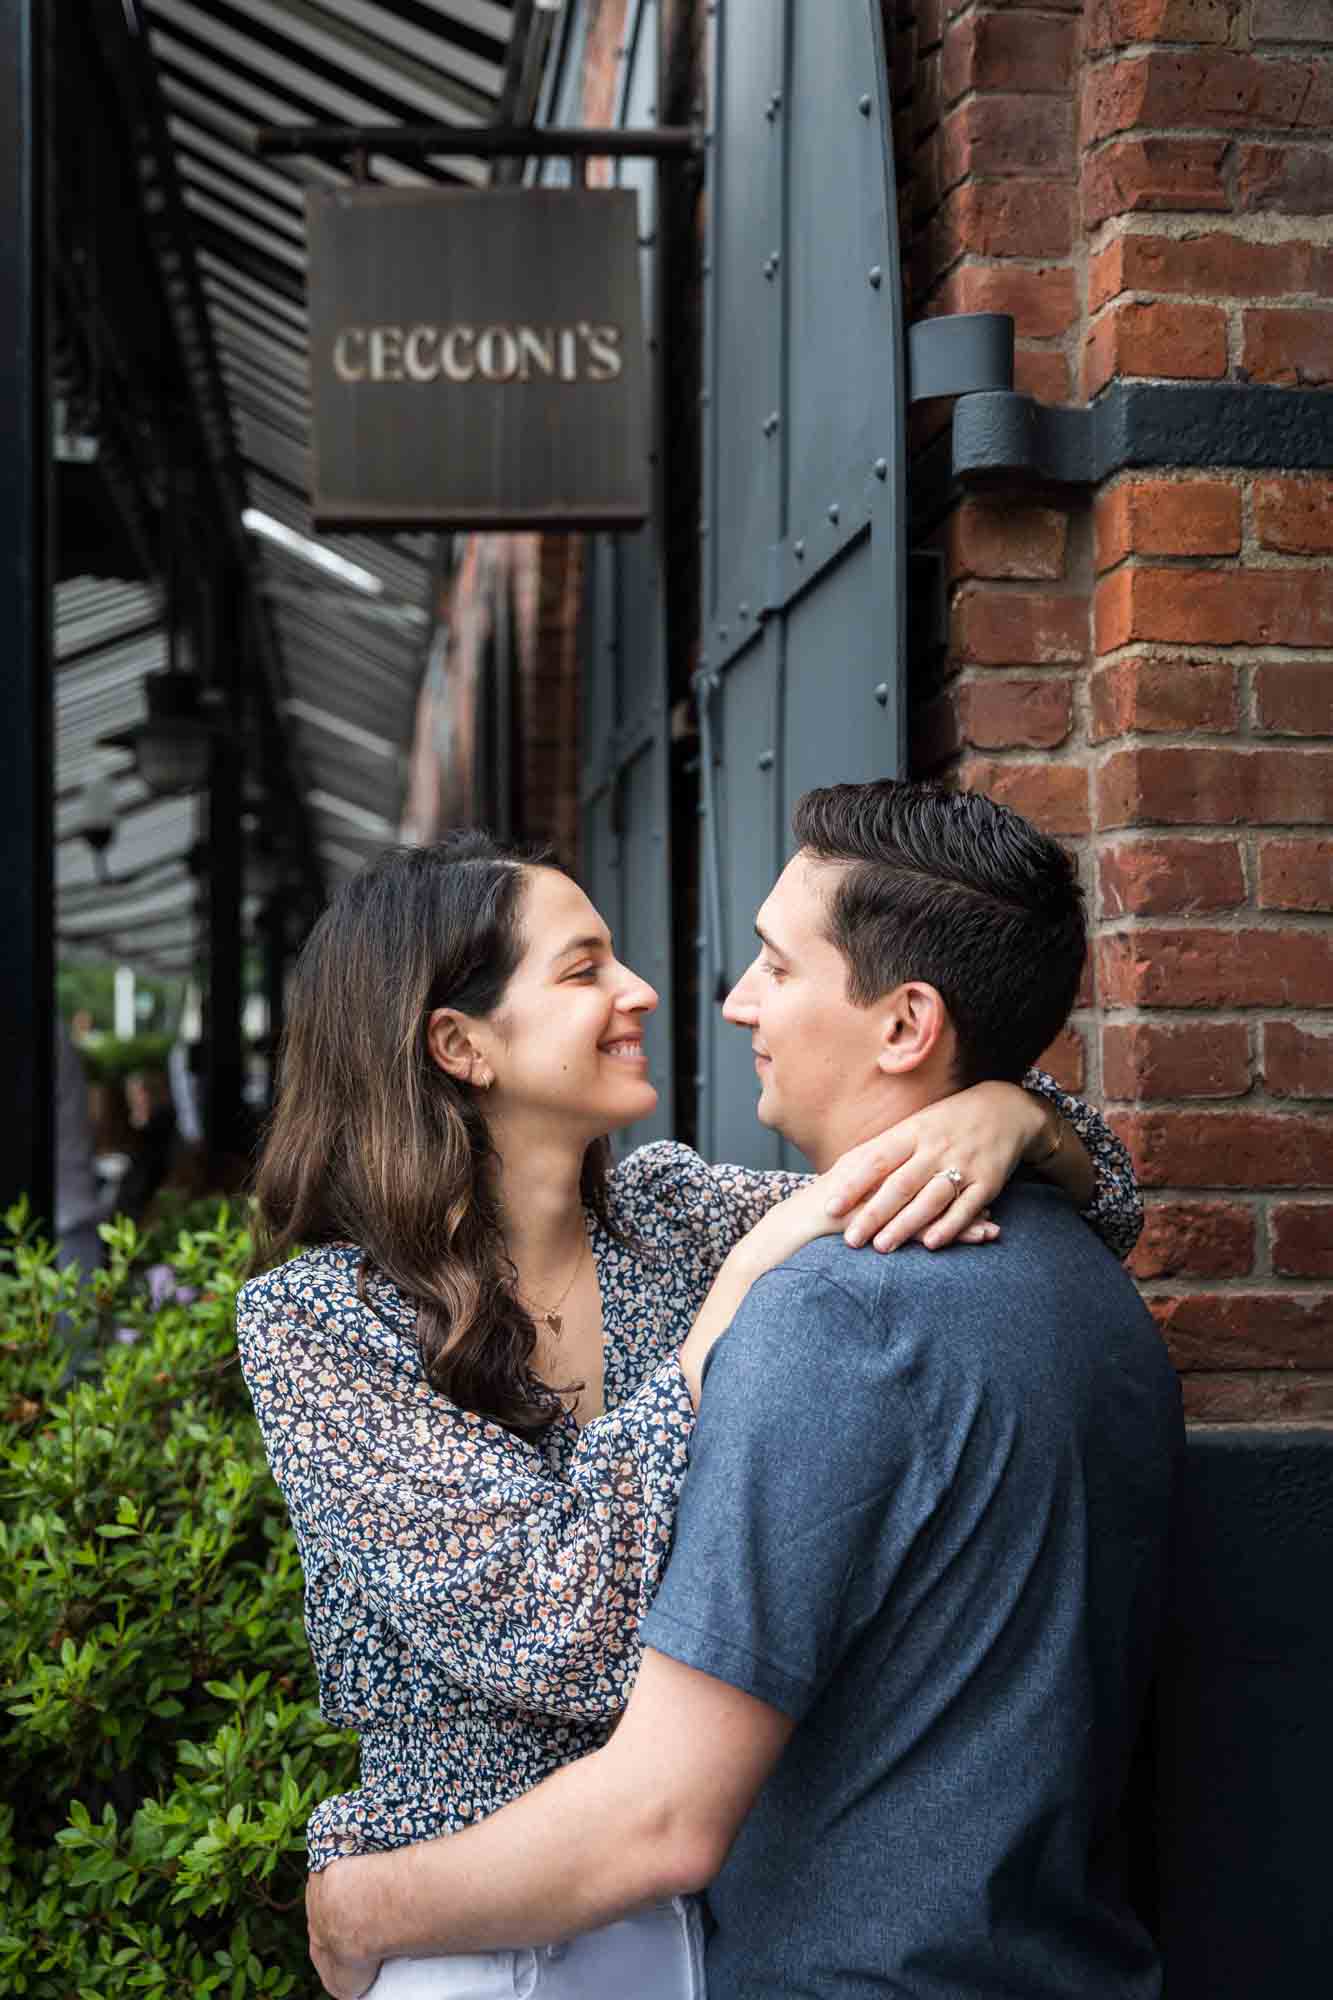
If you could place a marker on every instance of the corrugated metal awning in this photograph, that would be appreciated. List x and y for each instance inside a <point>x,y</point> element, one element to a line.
<point>352,631</point>
<point>108,637</point>
<point>349,656</point>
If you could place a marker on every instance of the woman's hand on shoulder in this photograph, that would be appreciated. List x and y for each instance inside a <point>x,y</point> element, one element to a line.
<point>930,1177</point>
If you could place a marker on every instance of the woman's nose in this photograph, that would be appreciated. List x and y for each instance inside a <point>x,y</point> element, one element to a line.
<point>636,996</point>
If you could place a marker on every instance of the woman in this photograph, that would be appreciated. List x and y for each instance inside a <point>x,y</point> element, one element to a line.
<point>470,1388</point>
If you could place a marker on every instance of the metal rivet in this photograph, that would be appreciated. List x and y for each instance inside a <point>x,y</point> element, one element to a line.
<point>704,396</point>
<point>707,267</point>
<point>766,760</point>
<point>798,550</point>
<point>744,610</point>
<point>721,631</point>
<point>881,468</point>
<point>863,106</point>
<point>882,694</point>
<point>647,240</point>
<point>834,510</point>
<point>876,276</point>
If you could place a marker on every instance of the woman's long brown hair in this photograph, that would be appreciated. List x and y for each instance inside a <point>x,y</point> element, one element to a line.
<point>373,1143</point>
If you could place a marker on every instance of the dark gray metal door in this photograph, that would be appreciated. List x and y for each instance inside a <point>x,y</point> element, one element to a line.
<point>626,746</point>
<point>801,674</point>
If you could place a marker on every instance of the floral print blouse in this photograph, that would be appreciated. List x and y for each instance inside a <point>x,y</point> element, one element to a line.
<point>473,1599</point>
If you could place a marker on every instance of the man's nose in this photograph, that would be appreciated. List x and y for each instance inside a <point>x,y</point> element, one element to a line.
<point>739,1006</point>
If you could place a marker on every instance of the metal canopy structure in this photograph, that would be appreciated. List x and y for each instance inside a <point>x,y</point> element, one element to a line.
<point>345,620</point>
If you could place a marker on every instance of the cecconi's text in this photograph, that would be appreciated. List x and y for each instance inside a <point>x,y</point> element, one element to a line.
<point>579,353</point>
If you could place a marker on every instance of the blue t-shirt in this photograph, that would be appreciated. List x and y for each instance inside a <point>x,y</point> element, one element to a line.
<point>927,1516</point>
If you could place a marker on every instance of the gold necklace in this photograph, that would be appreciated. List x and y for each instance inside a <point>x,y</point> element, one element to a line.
<point>553,1317</point>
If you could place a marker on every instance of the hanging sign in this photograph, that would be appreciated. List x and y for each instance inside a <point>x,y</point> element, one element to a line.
<point>477,359</point>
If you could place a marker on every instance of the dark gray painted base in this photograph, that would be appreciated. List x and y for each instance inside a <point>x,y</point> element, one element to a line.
<point>1231,1834</point>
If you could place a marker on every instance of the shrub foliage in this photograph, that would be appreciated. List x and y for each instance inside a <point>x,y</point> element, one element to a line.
<point>161,1743</point>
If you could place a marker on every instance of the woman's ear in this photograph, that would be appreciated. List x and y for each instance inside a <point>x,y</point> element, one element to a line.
<point>449,1039</point>
<point>914,1019</point>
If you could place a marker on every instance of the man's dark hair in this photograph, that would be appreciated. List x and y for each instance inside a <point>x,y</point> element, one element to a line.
<point>953,889</point>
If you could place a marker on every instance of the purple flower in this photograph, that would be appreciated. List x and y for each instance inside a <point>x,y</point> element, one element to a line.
<point>163,1289</point>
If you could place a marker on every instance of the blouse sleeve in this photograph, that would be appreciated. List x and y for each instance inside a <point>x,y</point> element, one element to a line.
<point>515,1581</point>
<point>668,1185</point>
<point>1116,1208</point>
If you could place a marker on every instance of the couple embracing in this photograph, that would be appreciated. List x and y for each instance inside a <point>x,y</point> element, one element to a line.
<point>847,1711</point>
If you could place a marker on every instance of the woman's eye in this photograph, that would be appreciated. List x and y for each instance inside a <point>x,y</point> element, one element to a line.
<point>773,971</point>
<point>582,972</point>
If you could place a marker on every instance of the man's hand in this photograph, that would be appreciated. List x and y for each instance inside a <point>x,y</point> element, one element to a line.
<point>327,1908</point>
<point>649,1815</point>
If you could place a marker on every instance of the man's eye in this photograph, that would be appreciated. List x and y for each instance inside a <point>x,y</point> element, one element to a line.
<point>773,971</point>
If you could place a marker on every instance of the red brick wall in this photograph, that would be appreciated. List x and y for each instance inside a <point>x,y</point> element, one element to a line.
<point>1146,186</point>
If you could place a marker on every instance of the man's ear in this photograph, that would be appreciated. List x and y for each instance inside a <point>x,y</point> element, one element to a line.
<point>450,1041</point>
<point>913,1021</point>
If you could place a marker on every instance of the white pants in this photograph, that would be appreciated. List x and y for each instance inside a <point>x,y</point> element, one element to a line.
<point>657,1955</point>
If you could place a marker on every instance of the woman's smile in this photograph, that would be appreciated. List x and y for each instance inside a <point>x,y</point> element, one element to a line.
<point>625,1049</point>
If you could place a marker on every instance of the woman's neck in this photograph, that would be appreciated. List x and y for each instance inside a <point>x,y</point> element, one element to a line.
<point>540,1202</point>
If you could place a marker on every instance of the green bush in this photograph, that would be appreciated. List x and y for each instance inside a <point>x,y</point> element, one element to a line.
<point>108,1060</point>
<point>162,1747</point>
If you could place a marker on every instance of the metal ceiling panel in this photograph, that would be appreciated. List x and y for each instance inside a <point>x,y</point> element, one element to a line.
<point>108,637</point>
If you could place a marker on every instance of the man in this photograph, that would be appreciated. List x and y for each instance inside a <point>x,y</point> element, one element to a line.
<point>896,1666</point>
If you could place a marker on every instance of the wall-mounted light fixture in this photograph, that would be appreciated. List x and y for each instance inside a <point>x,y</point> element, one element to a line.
<point>96,821</point>
<point>173,744</point>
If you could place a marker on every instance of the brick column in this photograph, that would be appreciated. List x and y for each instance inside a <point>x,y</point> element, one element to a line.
<point>1146,185</point>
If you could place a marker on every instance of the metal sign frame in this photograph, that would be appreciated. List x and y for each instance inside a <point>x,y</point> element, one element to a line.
<point>477,359</point>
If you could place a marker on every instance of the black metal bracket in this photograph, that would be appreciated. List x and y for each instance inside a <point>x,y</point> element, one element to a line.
<point>959,354</point>
<point>970,357</point>
<point>665,143</point>
<point>1001,437</point>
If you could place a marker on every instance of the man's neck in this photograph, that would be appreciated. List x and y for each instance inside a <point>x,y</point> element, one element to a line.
<point>872,1112</point>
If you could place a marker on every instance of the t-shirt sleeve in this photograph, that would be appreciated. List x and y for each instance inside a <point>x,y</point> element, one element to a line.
<point>806,1469</point>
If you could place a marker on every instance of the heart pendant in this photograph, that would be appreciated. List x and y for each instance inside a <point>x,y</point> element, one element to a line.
<point>555,1322</point>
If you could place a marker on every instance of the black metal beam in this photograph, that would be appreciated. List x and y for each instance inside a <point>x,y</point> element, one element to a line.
<point>273,928</point>
<point>27,984</point>
<point>482,142</point>
<point>225,1122</point>
<point>122,36</point>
